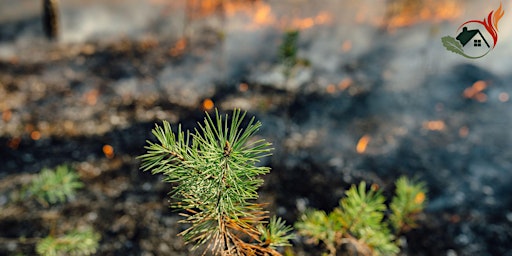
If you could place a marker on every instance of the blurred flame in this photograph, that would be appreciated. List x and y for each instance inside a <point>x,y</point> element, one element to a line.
<point>178,48</point>
<point>14,143</point>
<point>344,84</point>
<point>409,12</point>
<point>346,46</point>
<point>331,88</point>
<point>29,128</point>
<point>261,14</point>
<point>35,135</point>
<point>363,143</point>
<point>208,104</point>
<point>463,131</point>
<point>197,9</point>
<point>91,97</point>
<point>108,151</point>
<point>201,8</point>
<point>435,125</point>
<point>7,115</point>
<point>308,22</point>
<point>243,87</point>
<point>476,91</point>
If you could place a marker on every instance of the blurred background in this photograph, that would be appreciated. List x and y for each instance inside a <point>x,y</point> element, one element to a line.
<point>370,94</point>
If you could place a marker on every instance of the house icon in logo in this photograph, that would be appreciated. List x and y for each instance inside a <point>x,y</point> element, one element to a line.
<point>467,35</point>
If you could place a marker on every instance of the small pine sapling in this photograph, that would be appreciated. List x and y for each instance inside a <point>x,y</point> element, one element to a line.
<point>54,186</point>
<point>216,180</point>
<point>408,202</point>
<point>360,225</point>
<point>288,53</point>
<point>77,242</point>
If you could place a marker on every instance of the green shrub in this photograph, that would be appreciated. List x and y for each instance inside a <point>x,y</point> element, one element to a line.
<point>360,225</point>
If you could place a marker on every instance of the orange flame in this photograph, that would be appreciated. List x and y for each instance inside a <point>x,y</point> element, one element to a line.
<point>35,135</point>
<point>7,115</point>
<point>108,151</point>
<point>208,104</point>
<point>179,47</point>
<point>197,9</point>
<point>363,143</point>
<point>331,88</point>
<point>260,14</point>
<point>407,13</point>
<point>463,131</point>
<point>14,143</point>
<point>476,91</point>
<point>435,125</point>
<point>308,22</point>
<point>497,16</point>
<point>91,97</point>
<point>344,84</point>
<point>243,87</point>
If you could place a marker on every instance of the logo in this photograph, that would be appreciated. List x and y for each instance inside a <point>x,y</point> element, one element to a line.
<point>475,38</point>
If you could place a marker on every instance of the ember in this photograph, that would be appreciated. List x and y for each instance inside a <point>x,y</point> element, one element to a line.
<point>6,115</point>
<point>476,91</point>
<point>436,125</point>
<point>208,104</point>
<point>362,144</point>
<point>35,135</point>
<point>108,151</point>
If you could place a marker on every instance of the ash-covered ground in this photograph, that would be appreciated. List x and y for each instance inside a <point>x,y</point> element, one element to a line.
<point>374,71</point>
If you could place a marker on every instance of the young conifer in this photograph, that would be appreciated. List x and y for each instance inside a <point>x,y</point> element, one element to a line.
<point>76,242</point>
<point>360,225</point>
<point>52,186</point>
<point>216,177</point>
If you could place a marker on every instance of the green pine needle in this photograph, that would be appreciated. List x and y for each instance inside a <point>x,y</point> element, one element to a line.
<point>276,233</point>
<point>54,186</point>
<point>318,226</point>
<point>360,219</point>
<point>289,48</point>
<point>216,177</point>
<point>74,243</point>
<point>409,200</point>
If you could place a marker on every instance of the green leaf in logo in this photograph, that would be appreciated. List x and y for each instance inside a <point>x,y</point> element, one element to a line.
<point>452,45</point>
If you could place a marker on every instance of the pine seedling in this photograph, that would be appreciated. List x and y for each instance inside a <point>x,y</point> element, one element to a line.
<point>276,233</point>
<point>408,202</point>
<point>288,50</point>
<point>319,227</point>
<point>360,214</point>
<point>359,222</point>
<point>76,242</point>
<point>216,177</point>
<point>54,186</point>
